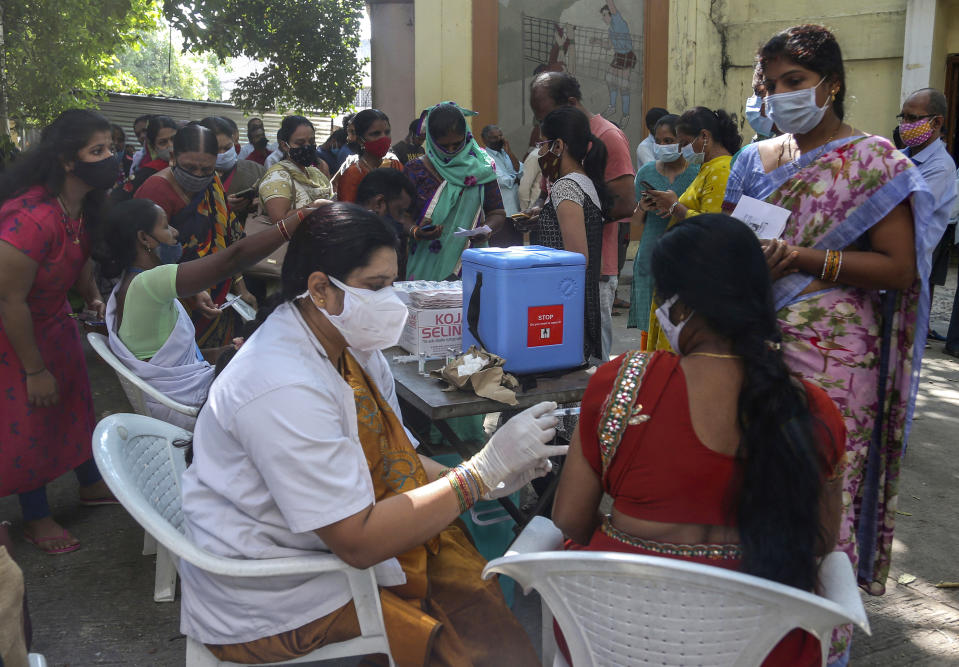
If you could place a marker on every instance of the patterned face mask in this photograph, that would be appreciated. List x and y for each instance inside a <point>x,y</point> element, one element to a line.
<point>917,132</point>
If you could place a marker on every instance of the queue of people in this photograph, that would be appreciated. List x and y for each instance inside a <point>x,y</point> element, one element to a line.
<point>784,369</point>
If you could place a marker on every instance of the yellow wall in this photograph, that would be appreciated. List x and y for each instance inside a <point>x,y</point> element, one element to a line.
<point>870,32</point>
<point>443,53</point>
<point>946,40</point>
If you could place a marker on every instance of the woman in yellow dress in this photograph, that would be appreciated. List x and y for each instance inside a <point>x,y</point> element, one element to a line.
<point>708,138</point>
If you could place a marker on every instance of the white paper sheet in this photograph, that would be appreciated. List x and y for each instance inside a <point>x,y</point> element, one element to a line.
<point>766,220</point>
<point>469,233</point>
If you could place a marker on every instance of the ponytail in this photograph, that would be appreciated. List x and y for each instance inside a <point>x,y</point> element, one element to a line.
<point>716,266</point>
<point>779,480</point>
<point>594,164</point>
<point>572,126</point>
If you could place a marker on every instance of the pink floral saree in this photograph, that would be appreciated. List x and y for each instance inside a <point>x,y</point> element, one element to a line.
<point>863,347</point>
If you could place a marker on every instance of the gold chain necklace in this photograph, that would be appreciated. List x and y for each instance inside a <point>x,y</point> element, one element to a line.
<point>714,355</point>
<point>792,139</point>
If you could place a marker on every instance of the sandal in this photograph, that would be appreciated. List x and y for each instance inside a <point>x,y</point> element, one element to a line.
<point>39,542</point>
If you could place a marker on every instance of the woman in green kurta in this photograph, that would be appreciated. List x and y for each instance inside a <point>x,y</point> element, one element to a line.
<point>669,172</point>
<point>455,187</point>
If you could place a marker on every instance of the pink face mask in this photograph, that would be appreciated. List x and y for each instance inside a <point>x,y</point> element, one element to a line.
<point>917,132</point>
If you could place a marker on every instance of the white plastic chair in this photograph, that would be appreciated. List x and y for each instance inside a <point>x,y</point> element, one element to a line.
<point>136,389</point>
<point>628,609</point>
<point>133,386</point>
<point>141,466</point>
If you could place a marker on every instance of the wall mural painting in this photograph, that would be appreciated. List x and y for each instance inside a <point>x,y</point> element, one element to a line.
<point>606,52</point>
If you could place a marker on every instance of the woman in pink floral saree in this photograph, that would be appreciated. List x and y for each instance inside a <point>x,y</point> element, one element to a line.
<point>851,291</point>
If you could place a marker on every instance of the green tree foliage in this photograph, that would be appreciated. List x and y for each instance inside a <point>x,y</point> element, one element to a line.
<point>59,54</point>
<point>308,47</point>
<point>154,66</point>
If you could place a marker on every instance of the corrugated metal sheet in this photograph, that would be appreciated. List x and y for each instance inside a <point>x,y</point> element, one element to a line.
<point>123,109</point>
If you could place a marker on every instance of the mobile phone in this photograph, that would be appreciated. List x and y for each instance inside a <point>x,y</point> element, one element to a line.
<point>520,216</point>
<point>564,412</point>
<point>249,193</point>
<point>428,228</point>
<point>646,185</point>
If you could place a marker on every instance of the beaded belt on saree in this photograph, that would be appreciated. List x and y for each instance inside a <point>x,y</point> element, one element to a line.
<point>710,551</point>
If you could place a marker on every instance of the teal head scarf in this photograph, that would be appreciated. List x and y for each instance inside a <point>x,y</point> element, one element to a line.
<point>458,202</point>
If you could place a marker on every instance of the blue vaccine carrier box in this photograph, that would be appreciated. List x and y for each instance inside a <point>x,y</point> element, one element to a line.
<point>526,303</point>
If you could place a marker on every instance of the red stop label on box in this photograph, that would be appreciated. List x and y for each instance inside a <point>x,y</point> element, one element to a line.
<point>545,326</point>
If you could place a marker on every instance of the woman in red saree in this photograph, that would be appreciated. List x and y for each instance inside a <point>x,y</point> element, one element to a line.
<point>192,196</point>
<point>717,455</point>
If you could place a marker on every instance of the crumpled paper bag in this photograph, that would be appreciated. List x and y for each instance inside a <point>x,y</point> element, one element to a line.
<point>481,372</point>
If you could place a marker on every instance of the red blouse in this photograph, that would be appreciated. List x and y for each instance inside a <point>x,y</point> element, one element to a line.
<point>662,471</point>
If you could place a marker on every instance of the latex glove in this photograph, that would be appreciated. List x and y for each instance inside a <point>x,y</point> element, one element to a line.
<point>519,479</point>
<point>520,444</point>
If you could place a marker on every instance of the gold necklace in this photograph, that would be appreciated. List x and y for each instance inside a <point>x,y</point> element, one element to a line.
<point>793,139</point>
<point>714,355</point>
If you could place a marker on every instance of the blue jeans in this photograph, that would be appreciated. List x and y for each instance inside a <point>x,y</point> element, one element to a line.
<point>34,505</point>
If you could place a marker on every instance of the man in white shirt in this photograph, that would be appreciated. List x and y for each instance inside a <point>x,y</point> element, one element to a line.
<point>509,170</point>
<point>644,151</point>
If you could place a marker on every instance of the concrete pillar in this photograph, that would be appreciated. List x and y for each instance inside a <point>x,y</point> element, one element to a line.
<point>918,46</point>
<point>392,59</point>
<point>444,52</point>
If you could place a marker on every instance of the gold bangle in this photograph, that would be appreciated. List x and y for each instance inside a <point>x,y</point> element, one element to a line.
<point>237,279</point>
<point>835,277</point>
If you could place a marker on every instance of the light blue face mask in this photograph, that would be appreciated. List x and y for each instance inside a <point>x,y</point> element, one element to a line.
<point>762,125</point>
<point>692,157</point>
<point>796,112</point>
<point>666,152</point>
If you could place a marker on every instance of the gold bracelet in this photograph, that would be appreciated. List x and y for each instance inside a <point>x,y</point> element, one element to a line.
<point>825,266</point>
<point>238,279</point>
<point>835,274</point>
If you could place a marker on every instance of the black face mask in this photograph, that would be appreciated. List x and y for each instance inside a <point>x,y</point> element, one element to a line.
<point>305,156</point>
<point>495,145</point>
<point>99,175</point>
<point>260,144</point>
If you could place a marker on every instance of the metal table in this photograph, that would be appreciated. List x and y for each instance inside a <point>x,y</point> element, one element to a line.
<point>427,397</point>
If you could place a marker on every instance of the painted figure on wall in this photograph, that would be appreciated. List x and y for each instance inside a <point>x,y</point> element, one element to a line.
<point>562,55</point>
<point>622,63</point>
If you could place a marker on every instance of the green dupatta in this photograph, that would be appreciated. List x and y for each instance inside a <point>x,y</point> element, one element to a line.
<point>458,202</point>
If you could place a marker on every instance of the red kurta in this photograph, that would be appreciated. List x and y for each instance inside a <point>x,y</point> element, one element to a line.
<point>38,445</point>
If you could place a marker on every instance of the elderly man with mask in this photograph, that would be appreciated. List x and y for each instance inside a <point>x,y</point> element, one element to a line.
<point>920,126</point>
<point>509,170</point>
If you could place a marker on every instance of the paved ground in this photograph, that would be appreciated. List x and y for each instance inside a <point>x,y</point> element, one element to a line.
<point>95,606</point>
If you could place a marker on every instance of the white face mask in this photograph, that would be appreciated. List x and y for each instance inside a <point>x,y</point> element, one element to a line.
<point>371,319</point>
<point>670,330</point>
<point>666,152</point>
<point>692,157</point>
<point>226,160</point>
<point>796,112</point>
